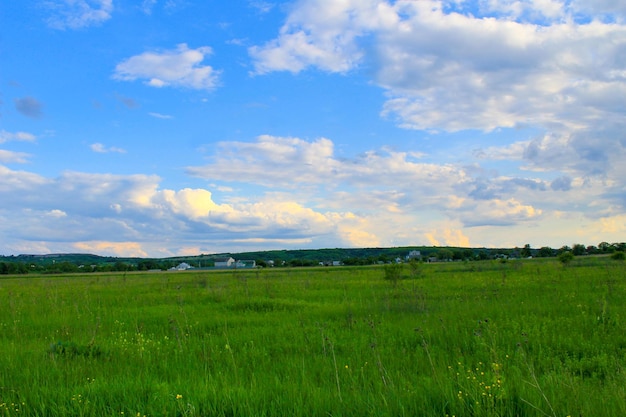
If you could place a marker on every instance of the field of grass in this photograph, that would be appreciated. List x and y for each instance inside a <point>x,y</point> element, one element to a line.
<point>522,338</point>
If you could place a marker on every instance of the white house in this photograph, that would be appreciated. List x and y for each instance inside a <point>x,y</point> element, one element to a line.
<point>224,262</point>
<point>182,266</point>
<point>244,263</point>
<point>414,254</point>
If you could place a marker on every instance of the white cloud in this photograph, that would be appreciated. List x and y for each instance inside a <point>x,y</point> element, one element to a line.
<point>57,213</point>
<point>611,9</point>
<point>124,249</point>
<point>15,184</point>
<point>160,116</point>
<point>77,14</point>
<point>115,213</point>
<point>322,34</point>
<point>261,6</point>
<point>381,198</point>
<point>404,191</point>
<point>13,157</point>
<point>448,235</point>
<point>180,67</point>
<point>498,212</point>
<point>17,136</point>
<point>313,163</point>
<point>193,204</point>
<point>147,6</point>
<point>485,65</point>
<point>100,148</point>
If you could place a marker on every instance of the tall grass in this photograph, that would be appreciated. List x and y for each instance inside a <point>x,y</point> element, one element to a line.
<point>527,338</point>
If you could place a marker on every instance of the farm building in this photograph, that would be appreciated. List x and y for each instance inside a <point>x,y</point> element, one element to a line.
<point>224,262</point>
<point>182,266</point>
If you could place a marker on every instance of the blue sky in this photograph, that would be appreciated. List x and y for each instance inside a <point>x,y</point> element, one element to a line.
<point>178,127</point>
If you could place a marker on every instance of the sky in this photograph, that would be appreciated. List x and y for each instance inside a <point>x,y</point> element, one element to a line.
<point>157,128</point>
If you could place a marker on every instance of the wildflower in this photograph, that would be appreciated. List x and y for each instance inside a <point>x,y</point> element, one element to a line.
<point>178,396</point>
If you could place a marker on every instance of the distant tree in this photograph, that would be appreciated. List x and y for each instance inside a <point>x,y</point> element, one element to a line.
<point>591,250</point>
<point>604,247</point>
<point>566,257</point>
<point>148,264</point>
<point>545,252</point>
<point>457,255</point>
<point>579,249</point>
<point>383,258</point>
<point>61,267</point>
<point>563,249</point>
<point>444,254</point>
<point>356,261</point>
<point>121,266</point>
<point>525,251</point>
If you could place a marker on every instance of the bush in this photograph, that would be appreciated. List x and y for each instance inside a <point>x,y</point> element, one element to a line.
<point>393,272</point>
<point>618,256</point>
<point>566,257</point>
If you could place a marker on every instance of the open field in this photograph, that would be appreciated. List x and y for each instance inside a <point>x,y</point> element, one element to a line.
<point>522,338</point>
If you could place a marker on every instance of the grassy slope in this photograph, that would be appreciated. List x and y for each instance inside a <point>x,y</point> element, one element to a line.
<point>527,338</point>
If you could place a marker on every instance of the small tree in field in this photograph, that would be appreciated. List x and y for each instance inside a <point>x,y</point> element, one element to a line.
<point>393,272</point>
<point>566,257</point>
<point>416,268</point>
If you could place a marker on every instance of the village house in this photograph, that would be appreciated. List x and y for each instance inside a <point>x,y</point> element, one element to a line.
<point>182,267</point>
<point>224,262</point>
<point>245,263</point>
<point>414,254</point>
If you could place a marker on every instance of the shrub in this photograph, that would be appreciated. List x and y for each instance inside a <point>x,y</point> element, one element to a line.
<point>566,257</point>
<point>393,272</point>
<point>618,256</point>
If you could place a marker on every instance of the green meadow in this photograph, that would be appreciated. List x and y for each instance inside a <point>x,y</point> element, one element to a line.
<point>519,338</point>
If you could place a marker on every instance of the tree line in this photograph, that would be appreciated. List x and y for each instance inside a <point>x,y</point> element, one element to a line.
<point>86,263</point>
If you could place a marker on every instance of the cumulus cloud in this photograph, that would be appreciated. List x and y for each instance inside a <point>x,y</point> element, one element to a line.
<point>265,162</point>
<point>180,67</point>
<point>549,65</point>
<point>379,198</point>
<point>77,14</point>
<point>561,184</point>
<point>123,249</point>
<point>447,236</point>
<point>321,34</point>
<point>29,107</point>
<point>377,182</point>
<point>17,136</point>
<point>100,148</point>
<point>498,212</point>
<point>110,212</point>
<point>13,157</point>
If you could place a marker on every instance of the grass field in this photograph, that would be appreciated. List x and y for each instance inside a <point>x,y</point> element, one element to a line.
<point>521,338</point>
